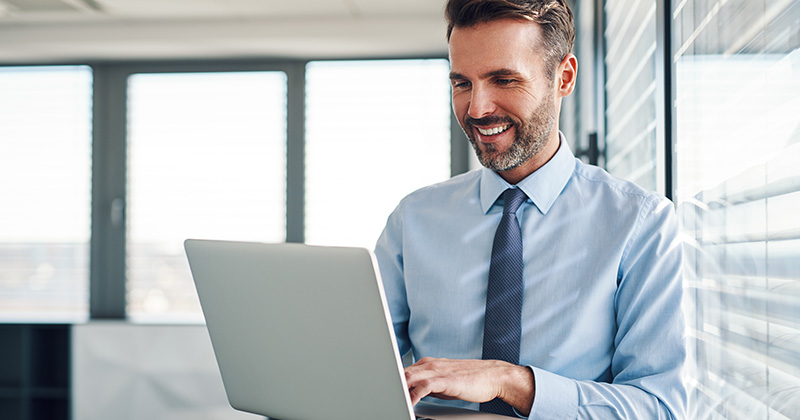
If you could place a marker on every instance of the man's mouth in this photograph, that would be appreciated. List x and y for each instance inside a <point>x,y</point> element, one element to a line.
<point>494,130</point>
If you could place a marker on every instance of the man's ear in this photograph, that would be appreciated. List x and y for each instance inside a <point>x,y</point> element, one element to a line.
<point>566,75</point>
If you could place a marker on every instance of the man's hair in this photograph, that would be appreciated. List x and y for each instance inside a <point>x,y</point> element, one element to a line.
<point>553,16</point>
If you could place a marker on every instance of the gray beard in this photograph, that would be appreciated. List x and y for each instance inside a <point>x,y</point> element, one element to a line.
<point>531,136</point>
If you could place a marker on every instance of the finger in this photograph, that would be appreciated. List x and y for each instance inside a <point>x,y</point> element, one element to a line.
<point>430,368</point>
<point>438,387</point>
<point>426,368</point>
<point>420,390</point>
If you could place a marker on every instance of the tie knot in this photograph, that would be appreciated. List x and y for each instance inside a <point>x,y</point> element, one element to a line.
<point>513,198</point>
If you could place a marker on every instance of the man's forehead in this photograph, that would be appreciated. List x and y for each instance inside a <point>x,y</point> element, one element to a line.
<point>499,27</point>
<point>503,34</point>
<point>496,46</point>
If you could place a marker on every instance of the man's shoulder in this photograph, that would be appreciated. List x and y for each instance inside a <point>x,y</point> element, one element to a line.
<point>445,191</point>
<point>599,180</point>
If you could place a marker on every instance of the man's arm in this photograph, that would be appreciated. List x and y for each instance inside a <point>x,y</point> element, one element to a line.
<point>649,346</point>
<point>388,252</point>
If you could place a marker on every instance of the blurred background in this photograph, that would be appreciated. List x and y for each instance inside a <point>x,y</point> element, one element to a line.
<point>127,126</point>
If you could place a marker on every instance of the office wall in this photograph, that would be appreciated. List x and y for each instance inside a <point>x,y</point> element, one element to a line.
<point>144,372</point>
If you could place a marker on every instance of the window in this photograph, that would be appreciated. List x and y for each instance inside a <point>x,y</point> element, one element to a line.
<point>375,131</point>
<point>45,182</point>
<point>204,156</point>
<point>630,87</point>
<point>206,159</point>
<point>738,189</point>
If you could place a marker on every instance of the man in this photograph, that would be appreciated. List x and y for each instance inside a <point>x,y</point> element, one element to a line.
<point>594,328</point>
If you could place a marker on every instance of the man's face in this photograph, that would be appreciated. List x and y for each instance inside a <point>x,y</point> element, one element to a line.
<point>501,95</point>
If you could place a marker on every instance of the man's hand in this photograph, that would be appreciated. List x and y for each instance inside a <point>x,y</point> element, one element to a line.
<point>471,380</point>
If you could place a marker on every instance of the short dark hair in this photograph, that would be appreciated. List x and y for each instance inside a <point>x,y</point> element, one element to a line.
<point>553,16</point>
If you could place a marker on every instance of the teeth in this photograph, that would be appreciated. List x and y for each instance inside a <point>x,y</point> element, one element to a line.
<point>493,131</point>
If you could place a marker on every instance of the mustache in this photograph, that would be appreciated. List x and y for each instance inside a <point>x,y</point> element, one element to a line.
<point>488,120</point>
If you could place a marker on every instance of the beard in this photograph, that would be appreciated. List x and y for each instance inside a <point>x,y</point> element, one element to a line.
<point>531,136</point>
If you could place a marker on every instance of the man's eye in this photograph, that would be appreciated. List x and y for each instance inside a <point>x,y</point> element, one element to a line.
<point>505,81</point>
<point>460,84</point>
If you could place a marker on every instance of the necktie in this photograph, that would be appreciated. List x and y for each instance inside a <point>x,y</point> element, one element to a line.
<point>502,329</point>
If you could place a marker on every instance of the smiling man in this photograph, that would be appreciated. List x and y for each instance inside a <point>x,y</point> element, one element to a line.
<point>537,286</point>
<point>507,102</point>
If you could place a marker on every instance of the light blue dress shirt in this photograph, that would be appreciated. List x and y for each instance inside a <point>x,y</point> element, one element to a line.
<point>602,326</point>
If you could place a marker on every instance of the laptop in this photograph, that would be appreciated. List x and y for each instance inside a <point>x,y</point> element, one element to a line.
<point>303,332</point>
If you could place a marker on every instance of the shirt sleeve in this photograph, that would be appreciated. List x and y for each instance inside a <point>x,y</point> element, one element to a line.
<point>388,252</point>
<point>650,346</point>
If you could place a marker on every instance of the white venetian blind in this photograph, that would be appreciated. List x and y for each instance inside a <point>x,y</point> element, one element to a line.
<point>630,88</point>
<point>737,66</point>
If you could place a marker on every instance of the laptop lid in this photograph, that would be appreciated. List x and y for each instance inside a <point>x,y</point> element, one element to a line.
<point>299,331</point>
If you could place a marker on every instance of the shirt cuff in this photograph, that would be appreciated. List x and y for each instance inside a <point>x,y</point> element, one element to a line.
<point>556,397</point>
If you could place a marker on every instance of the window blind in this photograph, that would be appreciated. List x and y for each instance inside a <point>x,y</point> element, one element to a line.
<point>630,88</point>
<point>737,67</point>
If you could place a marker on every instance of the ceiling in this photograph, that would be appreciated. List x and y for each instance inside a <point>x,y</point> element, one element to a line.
<point>67,31</point>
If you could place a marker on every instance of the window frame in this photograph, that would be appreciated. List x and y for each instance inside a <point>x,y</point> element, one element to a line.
<point>108,288</point>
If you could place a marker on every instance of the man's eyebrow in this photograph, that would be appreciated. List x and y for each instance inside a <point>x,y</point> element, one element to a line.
<point>493,73</point>
<point>501,72</point>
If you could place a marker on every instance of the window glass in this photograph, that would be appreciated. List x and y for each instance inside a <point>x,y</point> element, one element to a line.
<point>630,89</point>
<point>737,68</point>
<point>375,131</point>
<point>206,159</point>
<point>45,182</point>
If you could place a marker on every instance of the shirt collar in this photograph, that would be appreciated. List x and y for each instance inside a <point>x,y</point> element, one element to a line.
<point>542,187</point>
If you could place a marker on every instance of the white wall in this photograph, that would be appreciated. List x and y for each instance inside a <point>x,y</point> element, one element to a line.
<point>144,372</point>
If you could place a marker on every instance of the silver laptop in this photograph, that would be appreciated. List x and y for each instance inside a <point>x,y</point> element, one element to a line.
<point>303,332</point>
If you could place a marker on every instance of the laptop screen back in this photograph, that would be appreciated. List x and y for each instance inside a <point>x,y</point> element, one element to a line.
<point>300,332</point>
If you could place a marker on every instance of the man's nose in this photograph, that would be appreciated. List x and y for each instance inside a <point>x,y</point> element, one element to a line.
<point>481,103</point>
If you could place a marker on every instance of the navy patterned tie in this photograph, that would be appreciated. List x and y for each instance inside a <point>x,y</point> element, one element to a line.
<point>502,329</point>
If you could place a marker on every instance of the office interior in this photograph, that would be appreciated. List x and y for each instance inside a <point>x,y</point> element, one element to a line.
<point>127,126</point>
